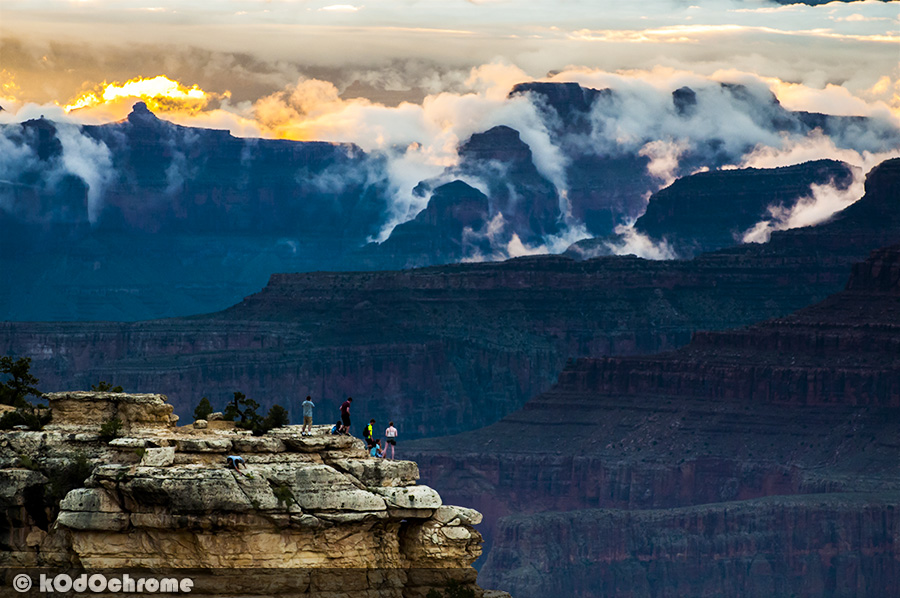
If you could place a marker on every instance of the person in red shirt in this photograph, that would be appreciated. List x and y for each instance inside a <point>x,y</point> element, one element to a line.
<point>345,416</point>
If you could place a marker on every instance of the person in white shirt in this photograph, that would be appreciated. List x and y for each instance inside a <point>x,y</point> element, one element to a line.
<point>390,438</point>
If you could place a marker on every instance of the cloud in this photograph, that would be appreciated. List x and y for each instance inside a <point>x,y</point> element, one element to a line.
<point>80,156</point>
<point>725,120</point>
<point>160,93</point>
<point>664,156</point>
<point>628,241</point>
<point>341,8</point>
<point>823,201</point>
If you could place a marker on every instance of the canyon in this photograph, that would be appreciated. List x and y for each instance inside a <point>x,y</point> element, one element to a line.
<point>144,219</point>
<point>761,461</point>
<point>453,348</point>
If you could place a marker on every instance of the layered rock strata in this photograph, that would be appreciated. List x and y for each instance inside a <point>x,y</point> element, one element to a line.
<point>802,546</point>
<point>452,348</point>
<point>310,515</point>
<point>756,462</point>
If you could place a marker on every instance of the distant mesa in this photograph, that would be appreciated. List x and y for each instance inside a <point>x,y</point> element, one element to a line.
<point>184,197</point>
<point>565,98</point>
<point>708,211</point>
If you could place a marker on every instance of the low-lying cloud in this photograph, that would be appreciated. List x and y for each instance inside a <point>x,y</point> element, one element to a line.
<point>730,119</point>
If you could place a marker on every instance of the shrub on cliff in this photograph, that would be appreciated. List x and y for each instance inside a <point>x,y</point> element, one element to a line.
<point>243,408</point>
<point>276,418</point>
<point>104,386</point>
<point>67,476</point>
<point>203,409</point>
<point>110,429</point>
<point>33,417</point>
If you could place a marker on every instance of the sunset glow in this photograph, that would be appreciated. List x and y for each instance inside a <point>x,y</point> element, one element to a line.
<point>160,93</point>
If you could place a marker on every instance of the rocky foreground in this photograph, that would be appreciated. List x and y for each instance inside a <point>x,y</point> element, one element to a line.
<point>758,462</point>
<point>311,516</point>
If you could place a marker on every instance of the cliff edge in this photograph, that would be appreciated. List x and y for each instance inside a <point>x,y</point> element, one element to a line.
<point>310,515</point>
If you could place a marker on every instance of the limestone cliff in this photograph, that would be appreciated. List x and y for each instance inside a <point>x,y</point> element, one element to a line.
<point>311,515</point>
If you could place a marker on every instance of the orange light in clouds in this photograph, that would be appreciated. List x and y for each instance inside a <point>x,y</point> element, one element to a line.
<point>160,93</point>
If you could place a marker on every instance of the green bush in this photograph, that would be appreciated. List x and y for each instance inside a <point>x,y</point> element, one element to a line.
<point>203,409</point>
<point>276,418</point>
<point>26,462</point>
<point>35,419</point>
<point>110,429</point>
<point>243,408</point>
<point>454,590</point>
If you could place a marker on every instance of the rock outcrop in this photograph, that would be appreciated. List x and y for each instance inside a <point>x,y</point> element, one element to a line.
<point>755,462</point>
<point>309,515</point>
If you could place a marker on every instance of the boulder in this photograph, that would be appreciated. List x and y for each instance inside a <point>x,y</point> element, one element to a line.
<point>158,457</point>
<point>254,444</point>
<point>379,472</point>
<point>131,443</point>
<point>203,445</point>
<point>410,497</point>
<point>322,488</point>
<point>89,499</point>
<point>451,515</point>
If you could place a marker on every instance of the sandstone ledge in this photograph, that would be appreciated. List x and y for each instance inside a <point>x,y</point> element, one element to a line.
<point>162,497</point>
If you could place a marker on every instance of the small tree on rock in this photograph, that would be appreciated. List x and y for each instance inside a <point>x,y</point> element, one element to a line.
<point>15,390</point>
<point>204,408</point>
<point>243,408</point>
<point>276,418</point>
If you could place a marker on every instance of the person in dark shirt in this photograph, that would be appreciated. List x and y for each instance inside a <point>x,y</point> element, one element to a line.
<point>345,416</point>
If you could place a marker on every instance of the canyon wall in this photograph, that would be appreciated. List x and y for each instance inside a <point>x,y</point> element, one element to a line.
<point>451,348</point>
<point>759,461</point>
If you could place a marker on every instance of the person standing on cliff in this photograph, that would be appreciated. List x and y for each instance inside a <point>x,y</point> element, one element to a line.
<point>345,416</point>
<point>390,438</point>
<point>369,433</point>
<point>308,405</point>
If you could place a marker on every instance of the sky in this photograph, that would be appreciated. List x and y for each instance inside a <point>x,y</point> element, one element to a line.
<point>238,55</point>
<point>415,78</point>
